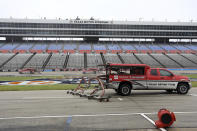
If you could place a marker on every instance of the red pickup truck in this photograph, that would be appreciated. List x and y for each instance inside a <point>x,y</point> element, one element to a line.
<point>126,77</point>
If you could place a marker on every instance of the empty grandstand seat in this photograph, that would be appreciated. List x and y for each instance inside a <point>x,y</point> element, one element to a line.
<point>56,62</point>
<point>37,61</point>
<point>130,59</point>
<point>166,61</point>
<point>100,48</point>
<point>69,48</point>
<point>185,62</point>
<point>85,48</point>
<point>192,47</point>
<point>112,58</point>
<point>114,48</point>
<point>39,48</point>
<point>75,61</point>
<point>156,48</point>
<point>8,47</point>
<point>15,63</point>
<point>170,48</point>
<point>23,48</point>
<point>182,48</point>
<point>142,48</point>
<point>93,60</point>
<point>54,48</point>
<point>4,57</point>
<point>128,48</point>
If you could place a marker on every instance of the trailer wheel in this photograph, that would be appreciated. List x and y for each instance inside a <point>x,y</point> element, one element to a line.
<point>182,88</point>
<point>124,90</point>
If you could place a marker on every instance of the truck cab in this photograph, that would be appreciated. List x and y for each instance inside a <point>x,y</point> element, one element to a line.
<point>126,77</point>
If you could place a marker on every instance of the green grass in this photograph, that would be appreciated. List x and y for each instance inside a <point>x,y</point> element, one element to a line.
<point>194,83</point>
<point>21,78</point>
<point>190,75</point>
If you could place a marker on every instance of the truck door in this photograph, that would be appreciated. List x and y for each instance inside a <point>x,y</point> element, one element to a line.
<point>138,77</point>
<point>167,80</point>
<point>152,79</point>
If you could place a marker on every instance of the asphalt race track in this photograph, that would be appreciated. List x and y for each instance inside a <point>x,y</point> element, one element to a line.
<point>58,111</point>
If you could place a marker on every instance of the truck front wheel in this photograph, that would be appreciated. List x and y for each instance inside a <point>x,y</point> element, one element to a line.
<point>124,90</point>
<point>182,88</point>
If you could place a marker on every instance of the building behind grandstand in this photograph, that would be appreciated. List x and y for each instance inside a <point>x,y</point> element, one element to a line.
<point>81,44</point>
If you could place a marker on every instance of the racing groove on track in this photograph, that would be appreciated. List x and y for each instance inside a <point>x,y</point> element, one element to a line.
<point>55,110</point>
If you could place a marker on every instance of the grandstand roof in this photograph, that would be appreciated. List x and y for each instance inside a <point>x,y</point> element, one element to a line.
<point>85,21</point>
<point>92,30</point>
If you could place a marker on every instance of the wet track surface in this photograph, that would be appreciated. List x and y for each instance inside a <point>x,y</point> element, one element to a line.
<point>58,111</point>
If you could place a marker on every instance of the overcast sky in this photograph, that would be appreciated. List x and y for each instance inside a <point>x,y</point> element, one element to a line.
<point>158,10</point>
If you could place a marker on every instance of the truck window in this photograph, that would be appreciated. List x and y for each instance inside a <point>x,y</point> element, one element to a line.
<point>165,73</point>
<point>137,70</point>
<point>120,71</point>
<point>153,72</point>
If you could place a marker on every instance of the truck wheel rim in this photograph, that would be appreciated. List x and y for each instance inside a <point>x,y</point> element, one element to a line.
<point>183,89</point>
<point>125,90</point>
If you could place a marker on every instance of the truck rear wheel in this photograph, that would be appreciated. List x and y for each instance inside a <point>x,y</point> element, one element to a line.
<point>124,90</point>
<point>182,88</point>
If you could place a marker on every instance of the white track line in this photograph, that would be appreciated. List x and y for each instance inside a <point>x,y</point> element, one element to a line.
<point>61,116</point>
<point>120,99</point>
<point>85,115</point>
<point>147,118</point>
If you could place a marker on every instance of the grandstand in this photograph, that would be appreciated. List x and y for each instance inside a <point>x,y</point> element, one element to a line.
<point>100,42</point>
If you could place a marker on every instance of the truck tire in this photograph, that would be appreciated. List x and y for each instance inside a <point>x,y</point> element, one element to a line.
<point>124,90</point>
<point>182,88</point>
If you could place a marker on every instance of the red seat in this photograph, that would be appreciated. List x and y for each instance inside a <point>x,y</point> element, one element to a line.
<point>85,51</point>
<point>69,51</point>
<point>4,51</point>
<point>20,51</point>
<point>131,51</point>
<point>116,51</point>
<point>146,51</point>
<point>52,51</point>
<point>36,51</point>
<point>160,51</point>
<point>175,51</point>
<point>101,51</point>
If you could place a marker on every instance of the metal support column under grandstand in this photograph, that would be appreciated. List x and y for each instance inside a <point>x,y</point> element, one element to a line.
<point>46,62</point>
<point>25,63</point>
<point>8,60</point>
<point>103,58</point>
<point>138,58</point>
<point>120,58</point>
<point>85,60</point>
<point>66,61</point>
<point>188,58</point>
<point>157,60</point>
<point>174,60</point>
